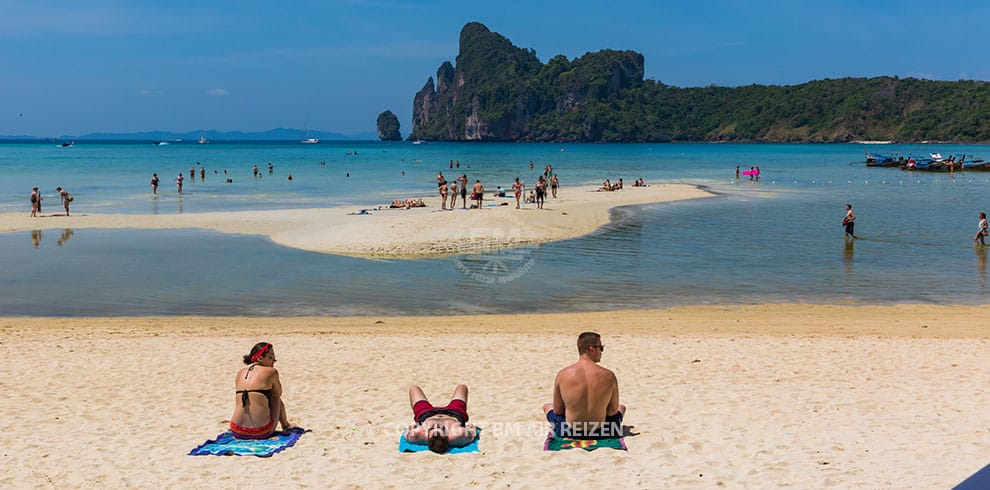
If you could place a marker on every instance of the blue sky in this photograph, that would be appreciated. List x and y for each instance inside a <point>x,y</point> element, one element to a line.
<point>70,67</point>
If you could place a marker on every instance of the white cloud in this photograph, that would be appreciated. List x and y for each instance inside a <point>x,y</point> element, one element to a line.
<point>145,92</point>
<point>217,92</point>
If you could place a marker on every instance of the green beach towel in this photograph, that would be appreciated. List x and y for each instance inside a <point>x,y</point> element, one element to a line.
<point>564,443</point>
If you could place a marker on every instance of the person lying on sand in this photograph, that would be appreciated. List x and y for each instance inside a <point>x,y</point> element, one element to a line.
<point>258,404</point>
<point>440,428</point>
<point>586,396</point>
<point>407,203</point>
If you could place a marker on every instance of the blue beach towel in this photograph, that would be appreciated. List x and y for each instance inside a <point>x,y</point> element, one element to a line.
<point>226,444</point>
<point>408,447</point>
<point>554,443</point>
<point>976,481</point>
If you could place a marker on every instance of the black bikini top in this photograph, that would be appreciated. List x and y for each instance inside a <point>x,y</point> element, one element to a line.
<point>244,393</point>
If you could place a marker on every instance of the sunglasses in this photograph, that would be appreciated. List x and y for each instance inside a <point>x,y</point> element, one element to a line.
<point>600,347</point>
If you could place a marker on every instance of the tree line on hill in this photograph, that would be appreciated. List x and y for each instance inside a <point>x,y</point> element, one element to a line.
<point>500,92</point>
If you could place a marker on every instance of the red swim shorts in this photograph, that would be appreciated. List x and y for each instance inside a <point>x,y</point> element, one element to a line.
<point>423,410</point>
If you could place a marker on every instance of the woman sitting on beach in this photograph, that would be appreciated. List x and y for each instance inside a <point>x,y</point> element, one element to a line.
<point>258,403</point>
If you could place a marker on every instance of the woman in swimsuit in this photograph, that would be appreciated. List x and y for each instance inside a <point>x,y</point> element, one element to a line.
<point>981,230</point>
<point>517,187</point>
<point>258,402</point>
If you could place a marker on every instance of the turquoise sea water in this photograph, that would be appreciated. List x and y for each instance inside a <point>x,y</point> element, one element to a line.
<point>777,240</point>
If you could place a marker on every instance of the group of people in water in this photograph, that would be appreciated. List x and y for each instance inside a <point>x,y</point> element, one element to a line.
<point>753,173</point>
<point>36,197</point>
<point>849,225</point>
<point>585,402</point>
<point>180,178</point>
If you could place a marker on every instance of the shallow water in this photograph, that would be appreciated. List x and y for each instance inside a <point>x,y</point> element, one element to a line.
<point>777,240</point>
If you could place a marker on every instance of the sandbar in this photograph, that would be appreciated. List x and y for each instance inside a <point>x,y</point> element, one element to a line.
<point>404,233</point>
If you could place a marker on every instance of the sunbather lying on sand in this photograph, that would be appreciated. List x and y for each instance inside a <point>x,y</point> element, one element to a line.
<point>440,428</point>
<point>407,203</point>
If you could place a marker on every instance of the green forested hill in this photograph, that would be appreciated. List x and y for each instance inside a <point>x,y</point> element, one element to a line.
<point>499,92</point>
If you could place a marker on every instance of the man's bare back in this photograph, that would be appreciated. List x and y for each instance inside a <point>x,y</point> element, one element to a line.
<point>587,391</point>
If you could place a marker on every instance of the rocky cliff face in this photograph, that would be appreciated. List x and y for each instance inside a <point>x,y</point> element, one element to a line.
<point>497,89</point>
<point>388,127</point>
<point>498,92</point>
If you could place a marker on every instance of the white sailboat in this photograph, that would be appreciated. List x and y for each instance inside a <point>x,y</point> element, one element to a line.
<point>202,138</point>
<point>309,140</point>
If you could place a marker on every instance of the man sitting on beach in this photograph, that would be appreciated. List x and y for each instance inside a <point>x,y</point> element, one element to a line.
<point>440,427</point>
<point>586,396</point>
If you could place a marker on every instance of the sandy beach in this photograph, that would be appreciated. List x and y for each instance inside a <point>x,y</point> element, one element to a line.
<point>416,232</point>
<point>794,396</point>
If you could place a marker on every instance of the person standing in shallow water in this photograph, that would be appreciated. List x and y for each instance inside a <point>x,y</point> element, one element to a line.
<point>178,182</point>
<point>849,222</point>
<point>154,184</point>
<point>981,230</point>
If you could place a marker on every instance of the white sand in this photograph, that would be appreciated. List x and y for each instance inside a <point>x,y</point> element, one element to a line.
<point>743,397</point>
<point>394,232</point>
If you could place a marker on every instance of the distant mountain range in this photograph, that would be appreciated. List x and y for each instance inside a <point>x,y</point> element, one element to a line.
<point>278,134</point>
